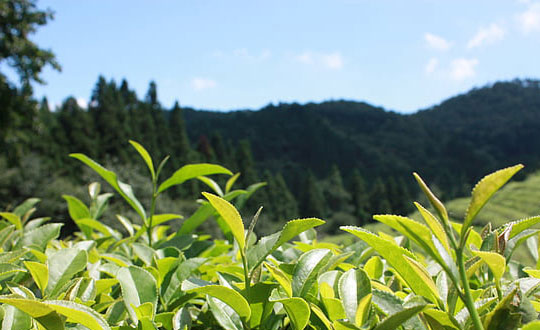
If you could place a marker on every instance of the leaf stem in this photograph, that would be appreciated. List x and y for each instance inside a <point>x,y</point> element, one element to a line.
<point>152,210</point>
<point>247,277</point>
<point>469,302</point>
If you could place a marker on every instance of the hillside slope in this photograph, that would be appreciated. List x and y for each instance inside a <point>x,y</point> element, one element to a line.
<point>460,139</point>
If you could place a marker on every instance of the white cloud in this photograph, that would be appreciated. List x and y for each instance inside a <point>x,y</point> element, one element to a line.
<point>305,58</point>
<point>529,20</point>
<point>463,68</point>
<point>82,102</point>
<point>200,84</point>
<point>431,65</point>
<point>437,42</point>
<point>486,35</point>
<point>332,61</point>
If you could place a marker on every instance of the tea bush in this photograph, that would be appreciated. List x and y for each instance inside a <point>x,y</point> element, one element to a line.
<point>153,278</point>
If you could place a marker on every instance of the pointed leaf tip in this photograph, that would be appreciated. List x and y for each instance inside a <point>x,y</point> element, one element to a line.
<point>484,190</point>
<point>231,216</point>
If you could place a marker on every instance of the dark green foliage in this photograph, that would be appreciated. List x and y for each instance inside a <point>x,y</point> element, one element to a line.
<point>360,198</point>
<point>313,201</point>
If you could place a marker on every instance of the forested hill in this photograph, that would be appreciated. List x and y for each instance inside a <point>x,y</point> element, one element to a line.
<point>339,160</point>
<point>453,143</point>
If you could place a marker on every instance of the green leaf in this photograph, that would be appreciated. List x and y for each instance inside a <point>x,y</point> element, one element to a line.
<point>125,190</point>
<point>80,314</point>
<point>505,314</point>
<point>393,321</point>
<point>138,287</point>
<point>268,244</point>
<point>44,312</point>
<point>483,191</point>
<point>495,262</point>
<point>297,309</point>
<point>374,267</point>
<point>535,325</point>
<point>13,218</point>
<point>22,210</point>
<point>317,311</point>
<point>144,252</point>
<point>146,157</point>
<point>307,270</point>
<point>229,296</point>
<point>76,208</point>
<point>231,182</point>
<point>191,171</point>
<point>520,225</point>
<point>212,184</point>
<point>224,315</point>
<point>415,231</point>
<point>396,257</point>
<point>181,319</point>
<point>16,319</point>
<point>39,272</point>
<point>279,276</point>
<point>231,216</point>
<point>158,219</point>
<point>434,225</point>
<point>353,286</point>
<point>63,265</point>
<point>259,304</point>
<point>364,307</point>
<point>96,225</point>
<point>441,210</point>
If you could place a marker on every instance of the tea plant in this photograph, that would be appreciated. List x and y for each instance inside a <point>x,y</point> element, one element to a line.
<point>437,275</point>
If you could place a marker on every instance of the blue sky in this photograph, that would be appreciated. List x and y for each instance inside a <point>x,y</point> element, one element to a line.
<point>223,55</point>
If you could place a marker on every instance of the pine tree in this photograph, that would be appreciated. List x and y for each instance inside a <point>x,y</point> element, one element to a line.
<point>163,138</point>
<point>107,110</point>
<point>283,200</point>
<point>179,148</point>
<point>378,198</point>
<point>337,197</point>
<point>314,204</point>
<point>246,165</point>
<point>360,197</point>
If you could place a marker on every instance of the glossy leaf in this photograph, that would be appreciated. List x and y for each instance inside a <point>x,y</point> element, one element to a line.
<point>231,216</point>
<point>395,255</point>
<point>229,296</point>
<point>39,272</point>
<point>307,270</point>
<point>298,311</point>
<point>434,225</point>
<point>125,190</point>
<point>181,319</point>
<point>192,171</point>
<point>268,244</point>
<point>441,210</point>
<point>138,287</point>
<point>44,312</point>
<point>63,265</point>
<point>393,321</point>
<point>495,262</point>
<point>13,218</point>
<point>230,182</point>
<point>483,191</point>
<point>145,156</point>
<point>353,286</point>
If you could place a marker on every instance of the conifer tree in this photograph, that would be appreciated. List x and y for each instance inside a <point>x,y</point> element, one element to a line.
<point>360,197</point>
<point>179,147</point>
<point>246,165</point>
<point>378,198</point>
<point>314,204</point>
<point>337,198</point>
